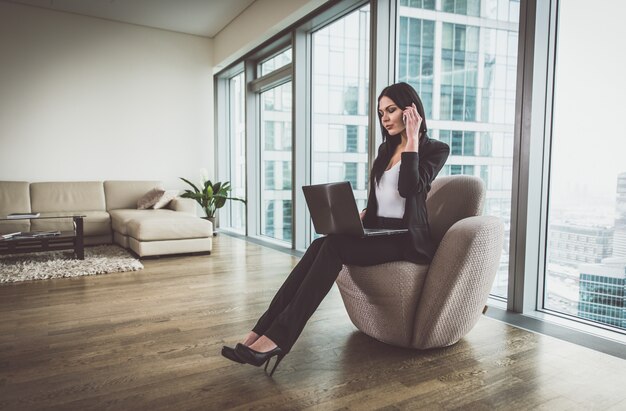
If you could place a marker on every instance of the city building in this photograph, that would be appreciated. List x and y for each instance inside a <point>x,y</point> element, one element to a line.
<point>573,244</point>
<point>603,292</point>
<point>619,237</point>
<point>585,277</point>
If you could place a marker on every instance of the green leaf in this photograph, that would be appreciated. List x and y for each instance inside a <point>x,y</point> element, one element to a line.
<point>190,183</point>
<point>216,187</point>
<point>236,199</point>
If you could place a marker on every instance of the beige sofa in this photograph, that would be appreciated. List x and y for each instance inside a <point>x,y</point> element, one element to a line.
<point>111,215</point>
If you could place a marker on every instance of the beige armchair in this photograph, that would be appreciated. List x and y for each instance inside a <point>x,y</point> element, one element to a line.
<point>426,306</point>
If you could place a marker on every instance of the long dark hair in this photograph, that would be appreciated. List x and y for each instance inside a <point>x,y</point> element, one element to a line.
<point>403,95</point>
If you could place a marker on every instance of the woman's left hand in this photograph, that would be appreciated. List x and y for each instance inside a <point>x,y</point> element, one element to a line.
<point>413,123</point>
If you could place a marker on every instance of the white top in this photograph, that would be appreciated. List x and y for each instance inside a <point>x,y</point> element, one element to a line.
<point>390,204</point>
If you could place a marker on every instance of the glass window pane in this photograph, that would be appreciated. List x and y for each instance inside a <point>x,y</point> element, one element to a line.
<point>340,102</point>
<point>235,211</point>
<point>473,89</point>
<point>416,56</point>
<point>585,266</point>
<point>275,199</point>
<point>276,62</point>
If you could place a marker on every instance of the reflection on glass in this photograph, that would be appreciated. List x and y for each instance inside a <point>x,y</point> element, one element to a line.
<point>276,62</point>
<point>585,267</point>
<point>235,210</point>
<point>466,77</point>
<point>276,219</point>
<point>340,103</point>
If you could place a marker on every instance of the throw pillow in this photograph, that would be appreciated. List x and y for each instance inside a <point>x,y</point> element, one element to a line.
<point>165,199</point>
<point>150,198</point>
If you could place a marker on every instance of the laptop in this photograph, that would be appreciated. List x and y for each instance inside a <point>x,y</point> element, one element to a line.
<point>334,211</point>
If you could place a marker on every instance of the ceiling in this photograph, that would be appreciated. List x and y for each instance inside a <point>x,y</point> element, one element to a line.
<point>199,17</point>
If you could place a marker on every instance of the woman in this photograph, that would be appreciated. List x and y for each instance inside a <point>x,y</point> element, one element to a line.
<point>407,163</point>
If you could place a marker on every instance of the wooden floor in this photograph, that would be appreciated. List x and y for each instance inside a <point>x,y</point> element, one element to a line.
<point>151,339</point>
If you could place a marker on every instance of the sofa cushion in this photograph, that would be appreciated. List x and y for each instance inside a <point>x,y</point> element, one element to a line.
<point>168,228</point>
<point>165,199</point>
<point>187,245</point>
<point>124,194</point>
<point>120,218</point>
<point>67,196</point>
<point>150,198</point>
<point>14,226</point>
<point>94,222</point>
<point>183,205</point>
<point>14,198</point>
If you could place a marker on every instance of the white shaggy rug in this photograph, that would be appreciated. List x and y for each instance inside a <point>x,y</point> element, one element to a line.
<point>101,259</point>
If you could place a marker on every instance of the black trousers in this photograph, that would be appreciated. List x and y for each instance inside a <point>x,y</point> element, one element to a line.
<point>312,278</point>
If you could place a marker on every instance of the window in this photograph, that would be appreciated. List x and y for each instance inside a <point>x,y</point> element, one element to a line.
<point>587,184</point>
<point>464,7</point>
<point>340,102</point>
<point>287,220</point>
<point>234,212</point>
<point>422,4</point>
<point>351,173</point>
<point>465,75</point>
<point>352,138</point>
<point>416,57</point>
<point>276,162</point>
<point>276,62</point>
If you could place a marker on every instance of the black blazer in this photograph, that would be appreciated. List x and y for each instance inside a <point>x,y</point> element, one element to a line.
<point>417,171</point>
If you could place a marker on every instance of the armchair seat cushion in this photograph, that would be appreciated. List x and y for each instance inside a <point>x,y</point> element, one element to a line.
<point>382,300</point>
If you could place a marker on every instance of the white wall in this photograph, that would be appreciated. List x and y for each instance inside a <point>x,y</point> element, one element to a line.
<point>90,99</point>
<point>256,24</point>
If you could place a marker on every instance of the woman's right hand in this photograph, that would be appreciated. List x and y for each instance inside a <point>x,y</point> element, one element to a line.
<point>362,214</point>
<point>413,122</point>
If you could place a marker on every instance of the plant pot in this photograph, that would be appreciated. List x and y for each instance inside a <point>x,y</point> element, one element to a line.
<point>212,220</point>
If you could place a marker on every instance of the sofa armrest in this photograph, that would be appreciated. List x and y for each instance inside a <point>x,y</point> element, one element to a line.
<point>185,205</point>
<point>458,281</point>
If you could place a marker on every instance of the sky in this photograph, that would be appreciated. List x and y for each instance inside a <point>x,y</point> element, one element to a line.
<point>589,134</point>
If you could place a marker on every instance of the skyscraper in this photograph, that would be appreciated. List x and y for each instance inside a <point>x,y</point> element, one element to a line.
<point>619,236</point>
<point>603,286</point>
<point>461,57</point>
<point>602,296</point>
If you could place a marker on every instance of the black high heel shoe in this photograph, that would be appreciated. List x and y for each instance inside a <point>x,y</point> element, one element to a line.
<point>257,358</point>
<point>229,353</point>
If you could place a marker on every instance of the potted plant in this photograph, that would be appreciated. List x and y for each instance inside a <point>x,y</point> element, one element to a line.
<point>211,197</point>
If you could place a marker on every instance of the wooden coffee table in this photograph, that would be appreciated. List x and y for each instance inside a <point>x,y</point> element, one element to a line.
<point>27,243</point>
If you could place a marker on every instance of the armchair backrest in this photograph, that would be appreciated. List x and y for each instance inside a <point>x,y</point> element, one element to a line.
<point>463,269</point>
<point>453,198</point>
